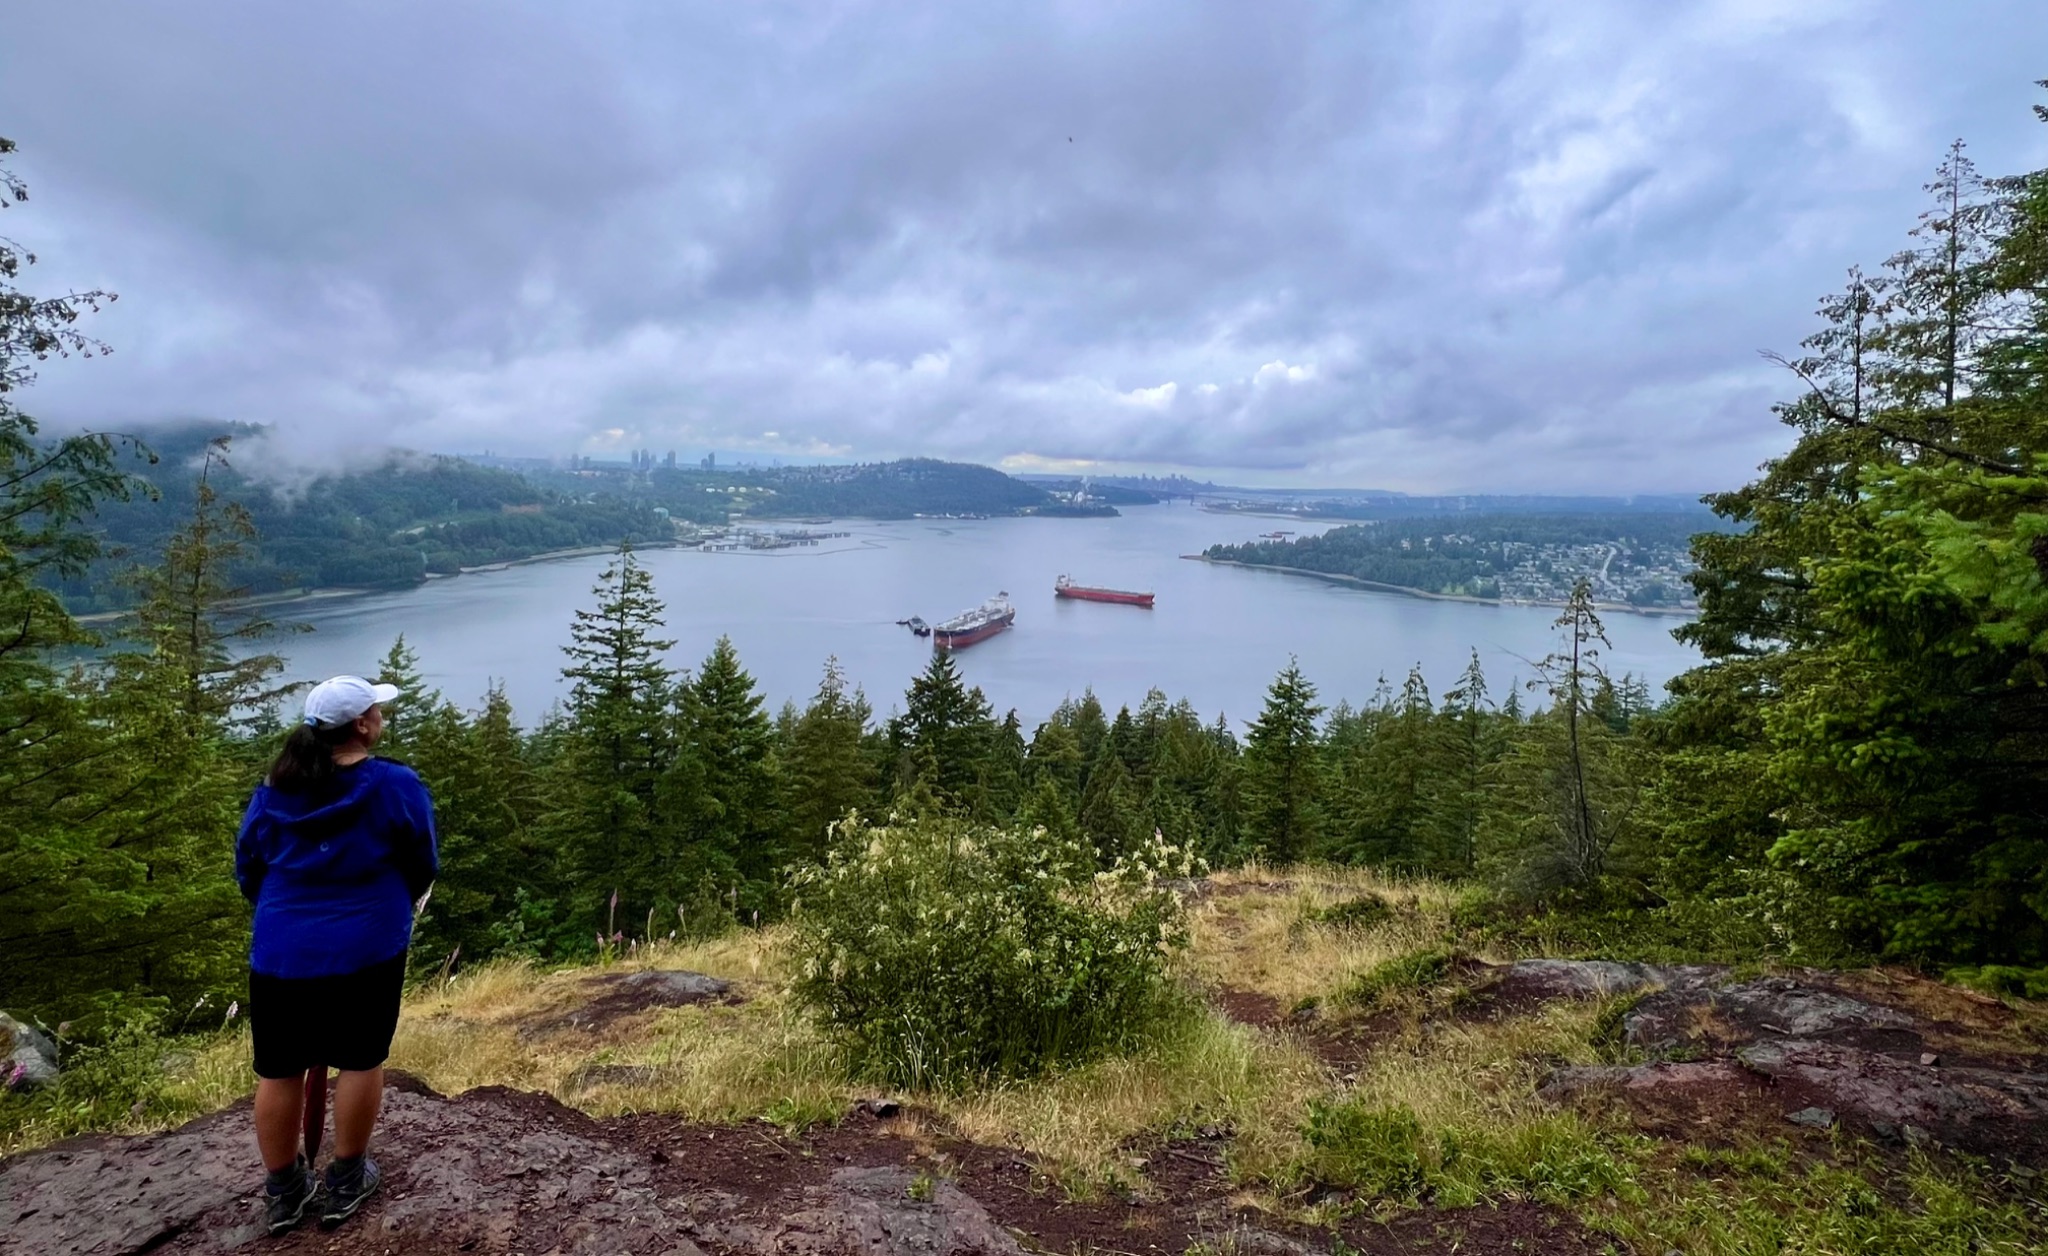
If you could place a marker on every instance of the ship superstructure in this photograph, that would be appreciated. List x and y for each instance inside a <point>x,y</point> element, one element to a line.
<point>979,624</point>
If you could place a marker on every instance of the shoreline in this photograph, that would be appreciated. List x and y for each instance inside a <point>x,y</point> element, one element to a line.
<point>1377,586</point>
<point>335,592</point>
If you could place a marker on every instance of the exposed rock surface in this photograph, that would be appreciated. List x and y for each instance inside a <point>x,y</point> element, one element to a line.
<point>1822,1054</point>
<point>493,1170</point>
<point>607,998</point>
<point>1542,980</point>
<point>659,987</point>
<point>887,1210</point>
<point>1661,1075</point>
<point>1977,1108</point>
<point>27,1056</point>
<point>1769,1007</point>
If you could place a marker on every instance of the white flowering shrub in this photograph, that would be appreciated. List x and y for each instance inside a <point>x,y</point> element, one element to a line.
<point>943,953</point>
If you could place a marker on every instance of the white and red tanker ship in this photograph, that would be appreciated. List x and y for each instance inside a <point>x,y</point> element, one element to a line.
<point>979,624</point>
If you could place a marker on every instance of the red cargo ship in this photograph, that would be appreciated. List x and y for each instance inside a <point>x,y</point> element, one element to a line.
<point>1064,587</point>
<point>979,624</point>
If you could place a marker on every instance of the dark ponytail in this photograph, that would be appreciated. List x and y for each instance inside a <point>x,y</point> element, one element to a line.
<point>307,759</point>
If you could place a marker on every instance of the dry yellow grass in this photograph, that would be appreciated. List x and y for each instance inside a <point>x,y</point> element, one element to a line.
<point>1207,1072</point>
<point>497,1024</point>
<point>1252,932</point>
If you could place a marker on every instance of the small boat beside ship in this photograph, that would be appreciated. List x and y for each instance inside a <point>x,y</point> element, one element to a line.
<point>1065,587</point>
<point>979,624</point>
<point>917,626</point>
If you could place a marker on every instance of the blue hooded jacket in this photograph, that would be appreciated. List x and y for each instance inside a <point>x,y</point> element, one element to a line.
<point>334,871</point>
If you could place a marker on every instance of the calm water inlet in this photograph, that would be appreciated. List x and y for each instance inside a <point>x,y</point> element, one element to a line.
<point>1216,637</point>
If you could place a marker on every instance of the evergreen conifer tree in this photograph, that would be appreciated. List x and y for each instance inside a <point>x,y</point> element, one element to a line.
<point>1463,745</point>
<point>1113,816</point>
<point>1567,794</point>
<point>617,745</point>
<point>415,701</point>
<point>728,743</point>
<point>191,618</point>
<point>828,771</point>
<point>944,730</point>
<point>1054,758</point>
<point>1282,782</point>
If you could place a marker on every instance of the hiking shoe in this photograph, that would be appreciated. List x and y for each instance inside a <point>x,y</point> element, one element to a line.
<point>285,1206</point>
<point>347,1190</point>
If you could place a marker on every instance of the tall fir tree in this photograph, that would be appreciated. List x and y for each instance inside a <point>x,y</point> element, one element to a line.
<point>1379,781</point>
<point>415,701</point>
<point>943,734</point>
<point>1464,743</point>
<point>1054,758</point>
<point>1566,797</point>
<point>827,770</point>
<point>1282,781</point>
<point>193,619</point>
<point>176,771</point>
<point>728,744</point>
<point>617,746</point>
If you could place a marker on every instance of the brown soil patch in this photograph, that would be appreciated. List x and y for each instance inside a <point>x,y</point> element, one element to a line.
<point>1250,1007</point>
<point>1342,1045</point>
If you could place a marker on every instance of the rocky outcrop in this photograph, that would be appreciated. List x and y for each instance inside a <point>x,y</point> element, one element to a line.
<point>1543,980</point>
<point>1661,1076</point>
<point>493,1170</point>
<point>1980,1109</point>
<point>28,1058</point>
<point>887,1211</point>
<point>608,998</point>
<point>1822,1056</point>
<point>658,987</point>
<point>1727,1016</point>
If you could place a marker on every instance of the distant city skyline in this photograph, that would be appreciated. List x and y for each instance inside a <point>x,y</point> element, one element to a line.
<point>1503,247</point>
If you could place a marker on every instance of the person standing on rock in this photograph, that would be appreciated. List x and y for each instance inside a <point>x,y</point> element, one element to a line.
<point>335,848</point>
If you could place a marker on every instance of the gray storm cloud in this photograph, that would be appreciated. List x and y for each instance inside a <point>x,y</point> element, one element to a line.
<point>1455,247</point>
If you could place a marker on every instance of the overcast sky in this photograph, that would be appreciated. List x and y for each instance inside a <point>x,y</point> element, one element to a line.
<point>1411,244</point>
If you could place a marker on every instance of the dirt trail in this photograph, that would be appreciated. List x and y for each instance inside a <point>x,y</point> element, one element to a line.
<point>501,1171</point>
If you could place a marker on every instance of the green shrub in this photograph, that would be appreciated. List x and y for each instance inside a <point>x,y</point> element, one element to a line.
<point>1376,1151</point>
<point>117,1081</point>
<point>1417,970</point>
<point>1382,1152</point>
<point>2025,983</point>
<point>1361,913</point>
<point>942,953</point>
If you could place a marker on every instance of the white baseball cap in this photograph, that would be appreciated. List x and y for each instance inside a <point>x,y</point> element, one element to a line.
<point>339,700</point>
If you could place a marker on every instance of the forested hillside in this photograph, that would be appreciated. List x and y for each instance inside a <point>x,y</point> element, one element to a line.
<point>393,524</point>
<point>385,526</point>
<point>1640,559</point>
<point>902,489</point>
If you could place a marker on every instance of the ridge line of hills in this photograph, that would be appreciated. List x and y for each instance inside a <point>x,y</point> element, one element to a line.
<point>399,521</point>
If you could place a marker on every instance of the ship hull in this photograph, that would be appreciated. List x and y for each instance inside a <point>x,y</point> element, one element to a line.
<point>1085,594</point>
<point>956,639</point>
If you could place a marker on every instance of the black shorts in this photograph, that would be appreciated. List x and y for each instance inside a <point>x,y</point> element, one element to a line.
<point>343,1022</point>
